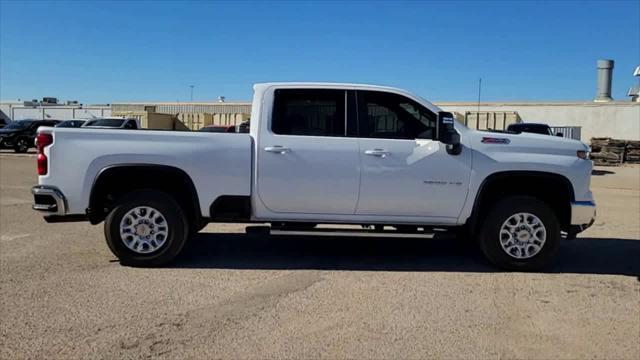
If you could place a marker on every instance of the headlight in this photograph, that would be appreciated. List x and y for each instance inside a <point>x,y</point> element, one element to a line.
<point>582,154</point>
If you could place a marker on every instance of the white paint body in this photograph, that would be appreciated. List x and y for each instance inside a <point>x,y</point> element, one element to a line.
<point>313,178</point>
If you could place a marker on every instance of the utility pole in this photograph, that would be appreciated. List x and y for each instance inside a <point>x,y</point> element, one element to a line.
<point>191,86</point>
<point>479,92</point>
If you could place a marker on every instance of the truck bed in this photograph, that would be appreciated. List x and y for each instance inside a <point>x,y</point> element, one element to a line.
<point>218,163</point>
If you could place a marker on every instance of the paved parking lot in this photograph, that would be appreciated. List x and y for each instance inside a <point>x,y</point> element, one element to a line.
<point>63,295</point>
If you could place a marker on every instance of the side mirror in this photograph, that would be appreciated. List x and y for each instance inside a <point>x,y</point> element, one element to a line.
<point>447,133</point>
<point>560,134</point>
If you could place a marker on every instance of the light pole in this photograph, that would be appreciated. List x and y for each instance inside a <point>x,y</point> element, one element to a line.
<point>191,86</point>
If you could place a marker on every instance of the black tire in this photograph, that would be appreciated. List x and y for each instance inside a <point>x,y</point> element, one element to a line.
<point>489,236</point>
<point>21,145</point>
<point>177,234</point>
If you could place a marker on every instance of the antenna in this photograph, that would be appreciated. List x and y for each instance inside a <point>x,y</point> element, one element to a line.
<point>191,86</point>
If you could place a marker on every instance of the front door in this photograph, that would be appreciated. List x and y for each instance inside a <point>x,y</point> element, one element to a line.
<point>405,170</point>
<point>306,163</point>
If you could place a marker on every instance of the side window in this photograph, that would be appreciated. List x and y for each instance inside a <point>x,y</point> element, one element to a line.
<point>392,116</point>
<point>311,112</point>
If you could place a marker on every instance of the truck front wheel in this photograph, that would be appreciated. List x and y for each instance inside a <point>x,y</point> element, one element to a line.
<point>520,233</point>
<point>146,228</point>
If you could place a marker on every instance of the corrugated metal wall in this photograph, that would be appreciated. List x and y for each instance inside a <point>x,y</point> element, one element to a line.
<point>220,108</point>
<point>177,108</point>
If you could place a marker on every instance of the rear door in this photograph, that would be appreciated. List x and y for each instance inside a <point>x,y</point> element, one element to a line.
<point>405,171</point>
<point>306,162</point>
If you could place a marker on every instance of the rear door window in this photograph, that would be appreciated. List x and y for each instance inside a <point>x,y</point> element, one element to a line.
<point>309,112</point>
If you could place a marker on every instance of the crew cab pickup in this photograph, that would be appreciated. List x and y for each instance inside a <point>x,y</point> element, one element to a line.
<point>321,153</point>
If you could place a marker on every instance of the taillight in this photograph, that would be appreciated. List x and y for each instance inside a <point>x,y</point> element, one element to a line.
<point>42,141</point>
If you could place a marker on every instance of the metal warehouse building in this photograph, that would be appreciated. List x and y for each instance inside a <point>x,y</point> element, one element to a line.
<point>14,110</point>
<point>583,120</point>
<point>601,117</point>
<point>191,116</point>
<point>616,119</point>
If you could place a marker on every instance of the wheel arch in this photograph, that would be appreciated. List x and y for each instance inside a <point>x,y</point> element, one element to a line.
<point>115,180</point>
<point>554,189</point>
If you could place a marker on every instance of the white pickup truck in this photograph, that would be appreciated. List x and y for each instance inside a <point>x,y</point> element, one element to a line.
<point>321,154</point>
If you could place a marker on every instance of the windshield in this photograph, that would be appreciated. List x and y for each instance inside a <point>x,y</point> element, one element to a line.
<point>18,124</point>
<point>106,122</point>
<point>531,128</point>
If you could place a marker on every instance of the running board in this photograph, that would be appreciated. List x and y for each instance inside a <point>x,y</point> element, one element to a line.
<point>266,230</point>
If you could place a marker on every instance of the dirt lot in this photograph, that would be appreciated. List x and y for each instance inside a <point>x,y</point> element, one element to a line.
<point>63,295</point>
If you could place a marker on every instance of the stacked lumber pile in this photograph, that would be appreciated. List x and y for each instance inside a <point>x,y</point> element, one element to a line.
<point>607,151</point>
<point>632,153</point>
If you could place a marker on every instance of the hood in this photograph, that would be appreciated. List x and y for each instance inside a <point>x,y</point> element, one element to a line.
<point>9,131</point>
<point>525,143</point>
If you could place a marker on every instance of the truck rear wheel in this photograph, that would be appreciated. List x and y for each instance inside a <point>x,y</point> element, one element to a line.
<point>146,228</point>
<point>520,233</point>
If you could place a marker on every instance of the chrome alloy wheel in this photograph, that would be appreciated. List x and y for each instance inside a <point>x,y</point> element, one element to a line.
<point>22,146</point>
<point>143,229</point>
<point>522,235</point>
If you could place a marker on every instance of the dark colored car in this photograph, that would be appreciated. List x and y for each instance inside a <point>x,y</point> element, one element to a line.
<point>20,135</point>
<point>3,123</point>
<point>219,129</point>
<point>111,123</point>
<point>543,129</point>
<point>71,123</point>
<point>244,127</point>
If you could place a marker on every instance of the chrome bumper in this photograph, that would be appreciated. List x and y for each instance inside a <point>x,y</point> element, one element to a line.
<point>49,200</point>
<point>583,212</point>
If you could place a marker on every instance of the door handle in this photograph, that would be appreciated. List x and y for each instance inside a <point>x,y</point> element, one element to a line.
<point>277,149</point>
<point>377,152</point>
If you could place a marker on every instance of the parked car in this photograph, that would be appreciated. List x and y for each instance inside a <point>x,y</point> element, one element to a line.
<point>71,123</point>
<point>19,135</point>
<point>243,127</point>
<point>322,154</point>
<point>218,129</point>
<point>533,128</point>
<point>112,123</point>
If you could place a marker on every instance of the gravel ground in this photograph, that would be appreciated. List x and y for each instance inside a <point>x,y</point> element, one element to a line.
<point>64,295</point>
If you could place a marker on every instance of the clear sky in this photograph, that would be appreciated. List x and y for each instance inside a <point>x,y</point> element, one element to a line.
<point>101,52</point>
